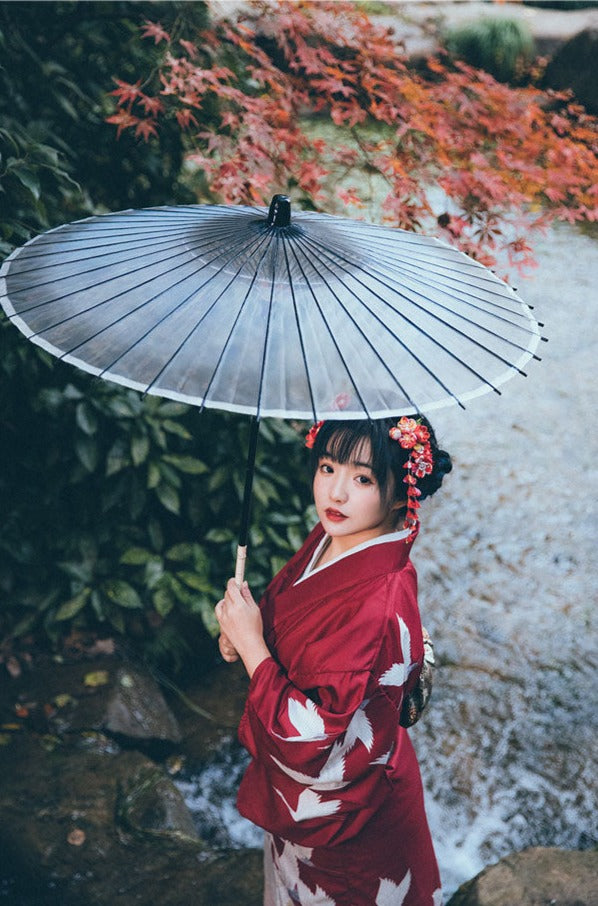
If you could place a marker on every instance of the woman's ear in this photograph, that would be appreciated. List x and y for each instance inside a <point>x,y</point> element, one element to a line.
<point>396,509</point>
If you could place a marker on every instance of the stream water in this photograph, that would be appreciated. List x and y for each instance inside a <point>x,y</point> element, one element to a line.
<point>507,567</point>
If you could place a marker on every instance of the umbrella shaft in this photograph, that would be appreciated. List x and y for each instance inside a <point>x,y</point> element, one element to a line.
<point>246,507</point>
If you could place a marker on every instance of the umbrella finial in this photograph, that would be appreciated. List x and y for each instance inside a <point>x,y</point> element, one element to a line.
<point>279,214</point>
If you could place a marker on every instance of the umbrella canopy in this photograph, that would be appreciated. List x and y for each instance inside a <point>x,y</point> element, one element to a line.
<point>240,308</point>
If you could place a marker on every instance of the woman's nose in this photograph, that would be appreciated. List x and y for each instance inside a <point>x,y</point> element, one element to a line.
<point>339,490</point>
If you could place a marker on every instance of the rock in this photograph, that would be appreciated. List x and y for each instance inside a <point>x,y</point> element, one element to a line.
<point>210,711</point>
<point>85,820</point>
<point>149,803</point>
<point>535,877</point>
<point>575,66</point>
<point>137,709</point>
<point>100,694</point>
<point>81,827</point>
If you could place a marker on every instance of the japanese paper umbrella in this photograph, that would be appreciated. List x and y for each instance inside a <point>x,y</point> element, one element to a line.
<point>243,309</point>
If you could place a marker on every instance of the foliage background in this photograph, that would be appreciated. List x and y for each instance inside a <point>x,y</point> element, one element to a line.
<point>119,512</point>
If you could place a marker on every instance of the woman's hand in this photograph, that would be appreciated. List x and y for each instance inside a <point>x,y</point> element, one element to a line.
<point>241,627</point>
<point>228,651</point>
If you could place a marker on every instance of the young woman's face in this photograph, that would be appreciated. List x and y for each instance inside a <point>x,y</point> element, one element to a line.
<point>348,500</point>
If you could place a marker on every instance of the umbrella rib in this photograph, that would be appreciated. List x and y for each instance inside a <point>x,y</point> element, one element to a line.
<point>426,246</point>
<point>117,295</point>
<point>192,248</point>
<point>300,332</point>
<point>393,335</point>
<point>437,268</point>
<point>113,227</point>
<point>191,332</point>
<point>457,314</point>
<point>267,331</point>
<point>411,272</point>
<point>235,322</point>
<point>142,305</point>
<point>144,245</point>
<point>342,358</point>
<point>426,334</point>
<point>421,330</point>
<point>93,235</point>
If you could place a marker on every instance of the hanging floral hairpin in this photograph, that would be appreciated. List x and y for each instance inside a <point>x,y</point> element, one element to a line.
<point>310,437</point>
<point>415,437</point>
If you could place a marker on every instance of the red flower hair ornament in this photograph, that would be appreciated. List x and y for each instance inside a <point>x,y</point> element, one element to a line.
<point>415,437</point>
<point>310,437</point>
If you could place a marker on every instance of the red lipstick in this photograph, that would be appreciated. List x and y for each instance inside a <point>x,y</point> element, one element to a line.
<point>334,515</point>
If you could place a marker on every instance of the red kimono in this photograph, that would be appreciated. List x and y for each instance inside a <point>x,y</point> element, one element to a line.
<point>333,778</point>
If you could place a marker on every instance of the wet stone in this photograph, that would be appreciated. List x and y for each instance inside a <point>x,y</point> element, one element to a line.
<point>149,803</point>
<point>86,819</point>
<point>535,877</point>
<point>137,709</point>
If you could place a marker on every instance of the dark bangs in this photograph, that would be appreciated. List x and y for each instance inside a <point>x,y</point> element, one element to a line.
<point>344,441</point>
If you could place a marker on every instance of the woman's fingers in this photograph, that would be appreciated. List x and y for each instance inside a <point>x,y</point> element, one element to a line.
<point>227,650</point>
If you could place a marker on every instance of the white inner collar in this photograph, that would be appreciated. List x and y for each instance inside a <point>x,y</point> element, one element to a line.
<point>380,539</point>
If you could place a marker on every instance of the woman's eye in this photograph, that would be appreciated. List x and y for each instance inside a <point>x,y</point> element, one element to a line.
<point>326,468</point>
<point>364,479</point>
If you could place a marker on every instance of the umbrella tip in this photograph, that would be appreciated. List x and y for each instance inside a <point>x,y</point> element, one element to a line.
<point>279,214</point>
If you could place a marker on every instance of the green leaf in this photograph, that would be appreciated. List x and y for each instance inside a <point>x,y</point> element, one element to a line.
<point>51,398</point>
<point>96,678</point>
<point>27,178</point>
<point>194,580</point>
<point>117,457</point>
<point>170,475</point>
<point>188,464</point>
<point>173,409</point>
<point>87,452</point>
<point>76,569</point>
<point>72,607</point>
<point>154,570</point>
<point>96,603</point>
<point>86,418</point>
<point>169,498</point>
<point>208,617</point>
<point>71,392</point>
<point>278,540</point>
<point>156,535</point>
<point>140,447</point>
<point>137,556</point>
<point>218,478</point>
<point>295,537</point>
<point>219,535</point>
<point>154,476</point>
<point>163,601</point>
<point>120,407</point>
<point>180,552</point>
<point>176,428</point>
<point>117,620</point>
<point>122,594</point>
<point>24,625</point>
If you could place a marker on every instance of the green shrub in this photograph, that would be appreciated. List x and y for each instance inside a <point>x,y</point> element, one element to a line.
<point>120,511</point>
<point>502,47</point>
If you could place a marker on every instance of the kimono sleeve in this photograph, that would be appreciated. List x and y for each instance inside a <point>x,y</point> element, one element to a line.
<point>294,729</point>
<point>318,774</point>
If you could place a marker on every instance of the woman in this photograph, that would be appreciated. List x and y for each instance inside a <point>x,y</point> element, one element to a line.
<point>332,651</point>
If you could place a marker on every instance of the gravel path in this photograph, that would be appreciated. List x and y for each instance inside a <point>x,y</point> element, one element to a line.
<point>507,567</point>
